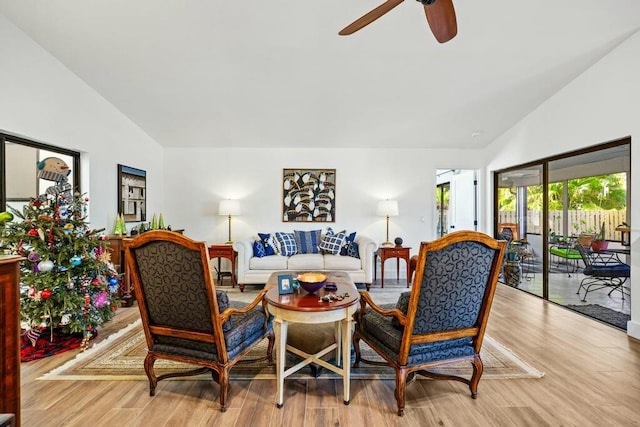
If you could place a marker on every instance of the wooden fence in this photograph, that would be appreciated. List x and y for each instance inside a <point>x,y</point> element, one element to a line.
<point>579,221</point>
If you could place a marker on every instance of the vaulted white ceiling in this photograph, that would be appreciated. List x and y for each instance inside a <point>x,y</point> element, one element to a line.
<point>259,73</point>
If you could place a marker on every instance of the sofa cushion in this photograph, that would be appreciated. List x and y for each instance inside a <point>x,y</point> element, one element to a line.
<point>268,241</point>
<point>273,262</point>
<point>307,241</point>
<point>332,243</point>
<point>304,262</point>
<point>344,263</point>
<point>287,242</point>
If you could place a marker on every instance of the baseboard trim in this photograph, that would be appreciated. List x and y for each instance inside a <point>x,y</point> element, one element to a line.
<point>633,329</point>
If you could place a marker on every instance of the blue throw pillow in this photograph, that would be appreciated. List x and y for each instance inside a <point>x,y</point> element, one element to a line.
<point>332,243</point>
<point>268,243</point>
<point>350,238</point>
<point>307,241</point>
<point>258,249</point>
<point>352,250</point>
<point>287,243</point>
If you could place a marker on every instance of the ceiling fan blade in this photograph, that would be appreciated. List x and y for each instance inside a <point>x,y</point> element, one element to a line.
<point>368,18</point>
<point>442,20</point>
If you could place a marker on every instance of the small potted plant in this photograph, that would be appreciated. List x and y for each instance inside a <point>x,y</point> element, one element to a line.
<point>599,243</point>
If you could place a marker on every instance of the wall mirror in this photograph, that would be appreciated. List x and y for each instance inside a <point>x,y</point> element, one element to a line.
<point>132,193</point>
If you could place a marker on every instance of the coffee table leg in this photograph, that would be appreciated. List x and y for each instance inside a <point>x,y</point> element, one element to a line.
<point>280,329</point>
<point>346,325</point>
<point>338,337</point>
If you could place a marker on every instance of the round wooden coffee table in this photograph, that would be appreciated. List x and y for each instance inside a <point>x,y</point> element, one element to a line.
<point>306,308</point>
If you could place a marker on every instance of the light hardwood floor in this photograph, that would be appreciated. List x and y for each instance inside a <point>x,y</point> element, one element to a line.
<point>592,378</point>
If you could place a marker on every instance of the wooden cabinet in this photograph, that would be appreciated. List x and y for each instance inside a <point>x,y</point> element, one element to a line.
<point>10,335</point>
<point>117,258</point>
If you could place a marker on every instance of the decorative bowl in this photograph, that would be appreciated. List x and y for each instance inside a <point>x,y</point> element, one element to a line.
<point>311,282</point>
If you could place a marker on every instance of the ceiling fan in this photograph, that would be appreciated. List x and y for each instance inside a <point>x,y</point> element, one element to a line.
<point>440,15</point>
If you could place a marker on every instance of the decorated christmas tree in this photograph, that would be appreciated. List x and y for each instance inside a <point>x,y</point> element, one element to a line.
<point>67,281</point>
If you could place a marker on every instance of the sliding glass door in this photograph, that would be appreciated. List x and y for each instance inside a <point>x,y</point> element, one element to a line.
<point>558,213</point>
<point>519,208</point>
<point>587,200</point>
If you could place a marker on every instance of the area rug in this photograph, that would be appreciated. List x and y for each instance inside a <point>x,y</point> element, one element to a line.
<point>604,314</point>
<point>121,356</point>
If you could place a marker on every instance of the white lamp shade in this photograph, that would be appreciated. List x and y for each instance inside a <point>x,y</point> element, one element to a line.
<point>229,207</point>
<point>388,208</point>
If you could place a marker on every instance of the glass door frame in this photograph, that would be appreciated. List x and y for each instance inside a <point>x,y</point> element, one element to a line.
<point>545,195</point>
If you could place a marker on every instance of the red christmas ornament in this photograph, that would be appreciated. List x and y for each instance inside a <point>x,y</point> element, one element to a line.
<point>45,294</point>
<point>32,232</point>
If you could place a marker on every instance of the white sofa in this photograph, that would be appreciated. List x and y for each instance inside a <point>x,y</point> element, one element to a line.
<point>254,270</point>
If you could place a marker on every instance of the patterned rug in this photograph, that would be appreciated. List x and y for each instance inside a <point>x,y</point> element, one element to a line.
<point>120,357</point>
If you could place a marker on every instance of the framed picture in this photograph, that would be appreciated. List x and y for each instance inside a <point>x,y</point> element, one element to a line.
<point>309,195</point>
<point>285,284</point>
<point>132,193</point>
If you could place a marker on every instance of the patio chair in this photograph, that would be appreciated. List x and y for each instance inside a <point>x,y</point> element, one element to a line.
<point>565,253</point>
<point>509,231</point>
<point>444,316</point>
<point>184,318</point>
<point>602,270</point>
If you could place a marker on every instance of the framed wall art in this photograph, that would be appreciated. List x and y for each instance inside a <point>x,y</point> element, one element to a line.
<point>309,195</point>
<point>132,193</point>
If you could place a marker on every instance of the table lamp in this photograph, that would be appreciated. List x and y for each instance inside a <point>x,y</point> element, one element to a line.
<point>388,208</point>
<point>229,208</point>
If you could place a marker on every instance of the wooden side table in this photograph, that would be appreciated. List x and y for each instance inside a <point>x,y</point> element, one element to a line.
<point>225,251</point>
<point>398,252</point>
<point>305,308</point>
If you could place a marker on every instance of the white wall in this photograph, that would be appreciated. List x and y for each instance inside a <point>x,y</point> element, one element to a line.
<point>41,100</point>
<point>197,179</point>
<point>599,106</point>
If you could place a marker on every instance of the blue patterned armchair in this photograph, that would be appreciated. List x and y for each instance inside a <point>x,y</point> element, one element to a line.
<point>184,318</point>
<point>444,316</point>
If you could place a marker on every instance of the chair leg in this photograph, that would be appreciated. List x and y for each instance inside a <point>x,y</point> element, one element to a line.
<point>272,338</point>
<point>401,382</point>
<point>224,389</point>
<point>478,368</point>
<point>356,348</point>
<point>149,360</point>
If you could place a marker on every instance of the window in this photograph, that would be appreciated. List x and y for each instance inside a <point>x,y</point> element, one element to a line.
<point>19,158</point>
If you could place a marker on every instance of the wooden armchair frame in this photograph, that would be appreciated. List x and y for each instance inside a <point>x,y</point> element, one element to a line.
<point>475,332</point>
<point>211,334</point>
